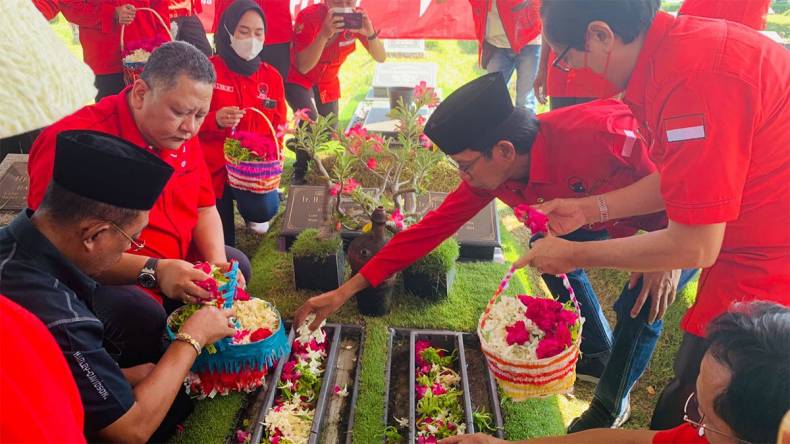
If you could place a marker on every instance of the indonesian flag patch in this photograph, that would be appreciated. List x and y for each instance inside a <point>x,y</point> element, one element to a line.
<point>680,129</point>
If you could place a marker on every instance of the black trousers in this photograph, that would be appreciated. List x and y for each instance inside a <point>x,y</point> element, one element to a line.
<point>279,56</point>
<point>108,85</point>
<point>190,30</point>
<point>669,408</point>
<point>562,102</point>
<point>298,98</point>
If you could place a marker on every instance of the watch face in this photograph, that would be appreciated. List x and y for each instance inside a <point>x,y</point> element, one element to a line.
<point>147,280</point>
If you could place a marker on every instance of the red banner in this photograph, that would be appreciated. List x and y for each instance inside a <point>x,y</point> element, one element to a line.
<point>399,19</point>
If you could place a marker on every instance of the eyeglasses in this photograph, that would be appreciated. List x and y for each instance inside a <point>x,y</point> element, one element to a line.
<point>136,245</point>
<point>560,63</point>
<point>464,169</point>
<point>697,421</point>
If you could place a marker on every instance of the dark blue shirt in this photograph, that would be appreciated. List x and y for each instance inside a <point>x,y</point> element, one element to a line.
<point>36,276</point>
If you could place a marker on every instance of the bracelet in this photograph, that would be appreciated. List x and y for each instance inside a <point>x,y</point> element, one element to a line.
<point>603,210</point>
<point>184,337</point>
<point>374,36</point>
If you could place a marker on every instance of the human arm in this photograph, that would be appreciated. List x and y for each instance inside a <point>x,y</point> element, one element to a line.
<point>307,55</point>
<point>374,46</point>
<point>541,79</point>
<point>99,15</point>
<point>207,236</point>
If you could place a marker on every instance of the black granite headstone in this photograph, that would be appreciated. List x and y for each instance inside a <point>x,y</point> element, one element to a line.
<point>14,183</point>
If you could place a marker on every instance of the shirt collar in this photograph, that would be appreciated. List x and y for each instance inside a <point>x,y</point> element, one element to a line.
<point>539,168</point>
<point>637,84</point>
<point>48,258</point>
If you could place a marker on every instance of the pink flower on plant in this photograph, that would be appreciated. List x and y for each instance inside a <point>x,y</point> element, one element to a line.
<point>242,436</point>
<point>372,163</point>
<point>438,389</point>
<point>425,142</point>
<point>283,129</point>
<point>517,333</point>
<point>301,115</point>
<point>334,189</point>
<point>419,347</point>
<point>397,218</point>
<point>421,120</point>
<point>421,389</point>
<point>349,186</point>
<point>422,91</point>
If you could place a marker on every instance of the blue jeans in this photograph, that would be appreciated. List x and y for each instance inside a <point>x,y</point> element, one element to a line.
<point>631,345</point>
<point>525,63</point>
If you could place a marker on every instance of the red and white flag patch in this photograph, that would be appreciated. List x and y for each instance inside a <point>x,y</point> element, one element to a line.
<point>628,145</point>
<point>684,128</point>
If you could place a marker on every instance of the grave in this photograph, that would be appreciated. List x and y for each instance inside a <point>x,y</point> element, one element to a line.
<point>404,74</point>
<point>404,47</point>
<point>14,185</point>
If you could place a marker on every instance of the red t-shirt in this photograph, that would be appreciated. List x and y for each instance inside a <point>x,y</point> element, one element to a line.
<point>100,33</point>
<point>712,98</point>
<point>184,8</point>
<point>580,151</point>
<point>751,13</point>
<point>324,74</point>
<point>233,89</point>
<point>682,434</point>
<point>38,396</point>
<point>279,25</point>
<point>175,214</point>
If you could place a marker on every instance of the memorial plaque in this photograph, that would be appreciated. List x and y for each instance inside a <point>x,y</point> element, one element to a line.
<point>407,74</point>
<point>404,47</point>
<point>305,208</point>
<point>14,182</point>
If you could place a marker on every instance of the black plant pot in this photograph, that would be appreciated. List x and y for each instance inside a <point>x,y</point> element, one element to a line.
<point>376,301</point>
<point>431,286</point>
<point>321,274</point>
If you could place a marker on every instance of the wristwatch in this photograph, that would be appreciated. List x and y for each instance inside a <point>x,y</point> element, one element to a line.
<point>147,276</point>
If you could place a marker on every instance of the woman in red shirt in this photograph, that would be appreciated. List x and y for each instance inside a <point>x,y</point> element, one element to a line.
<point>322,42</point>
<point>243,81</point>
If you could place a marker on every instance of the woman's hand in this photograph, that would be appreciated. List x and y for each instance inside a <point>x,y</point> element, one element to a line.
<point>229,116</point>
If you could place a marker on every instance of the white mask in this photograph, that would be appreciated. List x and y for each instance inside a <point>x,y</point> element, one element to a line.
<point>247,49</point>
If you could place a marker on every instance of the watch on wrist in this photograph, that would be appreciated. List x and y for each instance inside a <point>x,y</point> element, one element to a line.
<point>374,36</point>
<point>147,276</point>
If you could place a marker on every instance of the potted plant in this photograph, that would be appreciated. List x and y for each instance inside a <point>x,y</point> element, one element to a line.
<point>431,277</point>
<point>318,261</point>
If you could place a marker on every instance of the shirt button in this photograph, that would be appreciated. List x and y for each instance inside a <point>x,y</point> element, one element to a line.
<point>183,163</point>
<point>540,200</point>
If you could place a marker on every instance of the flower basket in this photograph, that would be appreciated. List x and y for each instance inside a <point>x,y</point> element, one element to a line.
<point>259,172</point>
<point>134,59</point>
<point>239,363</point>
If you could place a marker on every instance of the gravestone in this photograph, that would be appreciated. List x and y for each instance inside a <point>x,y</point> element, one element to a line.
<point>404,47</point>
<point>408,74</point>
<point>14,185</point>
<point>305,209</point>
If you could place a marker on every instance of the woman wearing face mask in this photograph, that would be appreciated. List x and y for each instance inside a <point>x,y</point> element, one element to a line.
<point>243,81</point>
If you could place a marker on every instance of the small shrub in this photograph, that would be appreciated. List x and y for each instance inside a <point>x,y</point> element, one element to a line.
<point>309,244</point>
<point>440,260</point>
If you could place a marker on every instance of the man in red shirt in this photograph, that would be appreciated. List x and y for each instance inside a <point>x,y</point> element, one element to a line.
<point>711,99</point>
<point>751,13</point>
<point>161,113</point>
<point>322,42</point>
<point>741,392</point>
<point>506,153</point>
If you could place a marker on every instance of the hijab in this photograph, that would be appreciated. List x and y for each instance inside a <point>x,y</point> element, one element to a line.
<point>227,26</point>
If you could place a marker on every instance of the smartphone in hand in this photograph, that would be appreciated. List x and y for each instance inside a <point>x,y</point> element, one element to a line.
<point>351,19</point>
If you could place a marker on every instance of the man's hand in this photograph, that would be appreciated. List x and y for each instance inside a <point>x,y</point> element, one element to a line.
<point>322,306</point>
<point>477,438</point>
<point>565,215</point>
<point>209,324</point>
<point>661,286</point>
<point>550,255</point>
<point>331,26</point>
<point>225,267</point>
<point>367,26</point>
<point>539,85</point>
<point>176,280</point>
<point>229,116</point>
<point>124,14</point>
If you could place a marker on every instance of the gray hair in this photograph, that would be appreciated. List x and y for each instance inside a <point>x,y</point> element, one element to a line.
<point>174,59</point>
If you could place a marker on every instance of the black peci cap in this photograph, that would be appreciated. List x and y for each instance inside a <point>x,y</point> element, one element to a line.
<point>107,169</point>
<point>473,115</point>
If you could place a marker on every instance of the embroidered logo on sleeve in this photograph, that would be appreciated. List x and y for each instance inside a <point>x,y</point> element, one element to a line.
<point>680,129</point>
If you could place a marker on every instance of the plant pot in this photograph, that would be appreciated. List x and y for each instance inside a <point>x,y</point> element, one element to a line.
<point>376,301</point>
<point>431,286</point>
<point>400,92</point>
<point>319,273</point>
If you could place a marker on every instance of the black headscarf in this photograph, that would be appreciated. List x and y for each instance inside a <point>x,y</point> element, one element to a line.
<point>227,24</point>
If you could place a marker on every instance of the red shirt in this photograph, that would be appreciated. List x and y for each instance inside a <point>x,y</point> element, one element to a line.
<point>279,24</point>
<point>100,34</point>
<point>747,12</point>
<point>712,98</point>
<point>323,74</point>
<point>520,20</point>
<point>233,89</point>
<point>175,214</point>
<point>184,8</point>
<point>576,82</point>
<point>682,434</point>
<point>579,151</point>
<point>49,8</point>
<point>38,396</point>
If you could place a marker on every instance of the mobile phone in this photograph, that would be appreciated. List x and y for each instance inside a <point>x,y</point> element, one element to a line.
<point>351,19</point>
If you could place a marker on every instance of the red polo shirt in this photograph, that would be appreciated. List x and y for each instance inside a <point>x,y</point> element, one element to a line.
<point>233,89</point>
<point>279,25</point>
<point>580,151</point>
<point>100,33</point>
<point>712,98</point>
<point>34,378</point>
<point>324,74</point>
<point>175,214</point>
<point>751,13</point>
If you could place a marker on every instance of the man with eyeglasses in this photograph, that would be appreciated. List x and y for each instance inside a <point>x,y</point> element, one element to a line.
<point>741,392</point>
<point>95,207</point>
<point>505,152</point>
